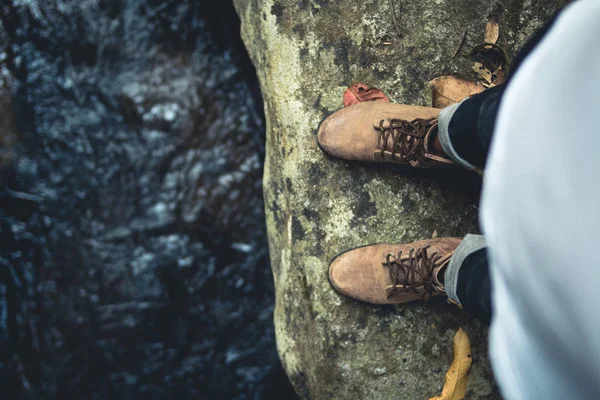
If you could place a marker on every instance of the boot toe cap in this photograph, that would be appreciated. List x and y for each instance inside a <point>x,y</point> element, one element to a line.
<point>348,133</point>
<point>353,277</point>
<point>331,135</point>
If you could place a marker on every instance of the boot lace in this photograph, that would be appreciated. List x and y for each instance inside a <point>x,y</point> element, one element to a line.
<point>405,273</point>
<point>407,139</point>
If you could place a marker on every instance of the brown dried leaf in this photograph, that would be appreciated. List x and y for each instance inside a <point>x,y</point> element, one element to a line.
<point>360,92</point>
<point>448,90</point>
<point>455,387</point>
<point>483,73</point>
<point>490,63</point>
<point>492,32</point>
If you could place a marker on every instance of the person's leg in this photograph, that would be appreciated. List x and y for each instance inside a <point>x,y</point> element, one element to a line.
<point>474,287</point>
<point>467,278</point>
<point>466,128</point>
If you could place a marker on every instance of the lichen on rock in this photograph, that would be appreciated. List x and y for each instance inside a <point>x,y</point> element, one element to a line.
<point>306,53</point>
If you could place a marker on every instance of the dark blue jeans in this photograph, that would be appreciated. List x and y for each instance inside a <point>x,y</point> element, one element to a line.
<point>471,131</point>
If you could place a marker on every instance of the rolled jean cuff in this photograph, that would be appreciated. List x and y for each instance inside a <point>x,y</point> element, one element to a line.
<point>469,245</point>
<point>443,125</point>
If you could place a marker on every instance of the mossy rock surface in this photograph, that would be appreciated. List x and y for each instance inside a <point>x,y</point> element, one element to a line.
<point>306,53</point>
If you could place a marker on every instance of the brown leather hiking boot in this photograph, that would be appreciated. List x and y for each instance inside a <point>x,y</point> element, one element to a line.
<point>384,132</point>
<point>393,273</point>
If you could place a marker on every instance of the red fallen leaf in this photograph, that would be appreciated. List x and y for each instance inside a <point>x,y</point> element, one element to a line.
<point>359,92</point>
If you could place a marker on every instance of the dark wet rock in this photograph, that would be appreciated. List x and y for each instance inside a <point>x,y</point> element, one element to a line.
<point>331,346</point>
<point>133,256</point>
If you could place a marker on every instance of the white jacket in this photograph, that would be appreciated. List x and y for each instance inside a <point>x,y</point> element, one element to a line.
<point>541,217</point>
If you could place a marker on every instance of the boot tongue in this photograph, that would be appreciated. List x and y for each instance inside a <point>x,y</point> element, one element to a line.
<point>430,143</point>
<point>433,147</point>
<point>438,276</point>
<point>430,138</point>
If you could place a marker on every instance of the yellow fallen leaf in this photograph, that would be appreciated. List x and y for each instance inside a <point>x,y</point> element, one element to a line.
<point>455,387</point>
